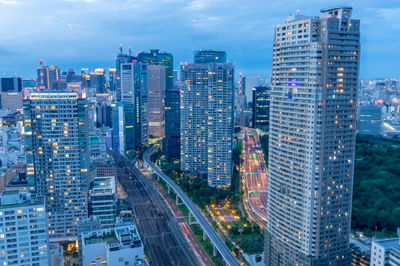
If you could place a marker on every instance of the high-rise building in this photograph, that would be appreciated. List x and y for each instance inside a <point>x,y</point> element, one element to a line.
<point>156,84</point>
<point>47,75</point>
<point>123,131</point>
<point>56,144</point>
<point>209,56</point>
<point>260,115</point>
<point>171,142</point>
<point>120,59</point>
<point>207,121</point>
<point>13,84</point>
<point>312,139</point>
<point>155,57</point>
<point>112,78</point>
<point>134,89</point>
<point>24,238</point>
<point>370,119</point>
<point>249,83</point>
<point>103,200</point>
<point>98,80</point>
<point>103,115</point>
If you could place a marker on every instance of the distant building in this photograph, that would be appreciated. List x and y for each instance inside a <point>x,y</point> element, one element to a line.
<point>103,115</point>
<point>120,59</point>
<point>171,146</point>
<point>207,120</point>
<point>120,245</point>
<point>171,143</point>
<point>24,238</point>
<point>13,84</point>
<point>370,120</point>
<point>11,101</point>
<point>260,116</point>
<point>47,75</point>
<point>112,79</point>
<point>98,80</point>
<point>386,252</point>
<point>103,200</point>
<point>123,132</point>
<point>209,56</point>
<point>57,157</point>
<point>249,83</point>
<point>156,112</point>
<point>134,89</point>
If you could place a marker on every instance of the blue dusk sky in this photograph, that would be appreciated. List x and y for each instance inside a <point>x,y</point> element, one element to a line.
<point>88,33</point>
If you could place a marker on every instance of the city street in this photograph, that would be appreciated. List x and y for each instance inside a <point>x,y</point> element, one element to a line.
<point>255,177</point>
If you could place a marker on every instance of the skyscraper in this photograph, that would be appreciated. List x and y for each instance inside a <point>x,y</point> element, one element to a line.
<point>155,57</point>
<point>261,98</point>
<point>121,58</point>
<point>98,80</point>
<point>123,131</point>
<point>156,85</point>
<point>171,144</point>
<point>134,89</point>
<point>57,157</point>
<point>207,121</point>
<point>47,75</point>
<point>312,139</point>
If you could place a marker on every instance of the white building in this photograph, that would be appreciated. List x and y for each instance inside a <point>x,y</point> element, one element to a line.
<point>386,252</point>
<point>24,238</point>
<point>207,121</point>
<point>113,246</point>
<point>312,139</point>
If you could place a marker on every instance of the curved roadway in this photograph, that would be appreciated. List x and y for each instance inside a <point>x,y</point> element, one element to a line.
<point>212,235</point>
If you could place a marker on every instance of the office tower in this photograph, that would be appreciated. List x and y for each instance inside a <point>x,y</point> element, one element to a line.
<point>28,83</point>
<point>98,80</point>
<point>155,57</point>
<point>171,143</point>
<point>103,200</point>
<point>47,75</point>
<point>156,85</point>
<point>260,115</point>
<point>56,144</point>
<point>120,59</point>
<point>370,119</point>
<point>209,56</point>
<point>312,139</point>
<point>103,115</point>
<point>24,239</point>
<point>123,131</point>
<point>249,83</point>
<point>11,84</point>
<point>112,78</point>
<point>207,121</point>
<point>134,90</point>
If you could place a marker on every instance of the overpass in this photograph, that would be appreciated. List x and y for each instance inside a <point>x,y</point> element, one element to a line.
<point>216,241</point>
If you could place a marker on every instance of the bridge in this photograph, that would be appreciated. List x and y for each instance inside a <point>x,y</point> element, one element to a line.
<point>216,241</point>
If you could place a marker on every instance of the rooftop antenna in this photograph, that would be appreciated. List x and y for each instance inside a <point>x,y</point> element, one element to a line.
<point>41,75</point>
<point>130,50</point>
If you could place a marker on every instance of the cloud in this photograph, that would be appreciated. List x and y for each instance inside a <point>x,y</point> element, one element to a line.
<point>88,32</point>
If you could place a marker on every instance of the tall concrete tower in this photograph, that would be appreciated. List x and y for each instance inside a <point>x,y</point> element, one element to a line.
<point>312,139</point>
